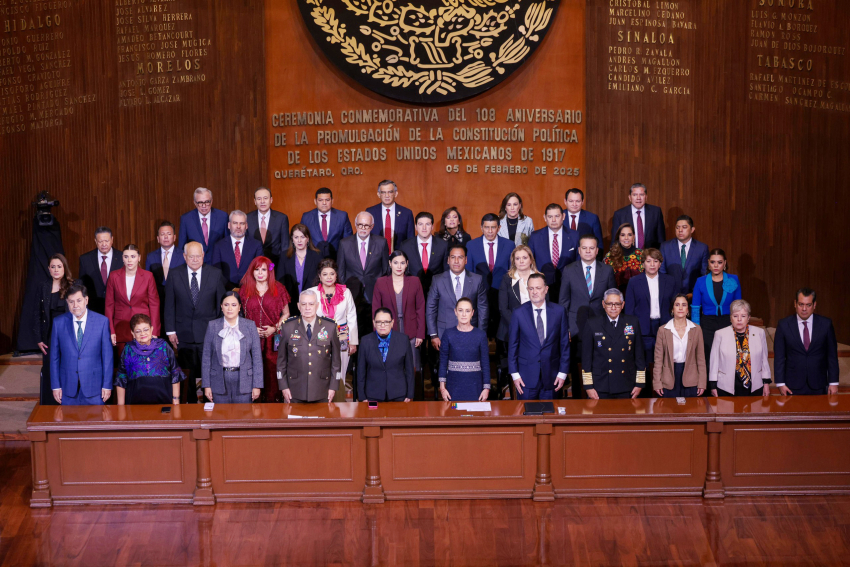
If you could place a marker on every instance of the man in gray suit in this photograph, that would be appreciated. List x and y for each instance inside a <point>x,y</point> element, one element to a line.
<point>447,288</point>
<point>308,356</point>
<point>582,285</point>
<point>363,257</point>
<point>268,226</point>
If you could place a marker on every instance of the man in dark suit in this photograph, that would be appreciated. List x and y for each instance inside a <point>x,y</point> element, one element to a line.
<point>205,225</point>
<point>268,226</point>
<point>160,261</point>
<point>582,286</point>
<point>233,255</point>
<point>426,255</point>
<point>80,353</point>
<point>327,224</point>
<point>612,358</point>
<point>95,267</point>
<point>553,246</point>
<point>538,344</point>
<point>392,221</point>
<point>648,220</point>
<point>362,259</point>
<point>805,350</point>
<point>385,363</point>
<point>489,256</point>
<point>685,258</point>
<point>583,222</point>
<point>193,293</point>
<point>445,291</point>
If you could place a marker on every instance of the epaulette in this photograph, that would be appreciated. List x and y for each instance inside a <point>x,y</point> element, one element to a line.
<point>328,319</point>
<point>291,318</point>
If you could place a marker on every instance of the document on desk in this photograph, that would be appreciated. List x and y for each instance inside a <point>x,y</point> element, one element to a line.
<point>290,416</point>
<point>473,406</point>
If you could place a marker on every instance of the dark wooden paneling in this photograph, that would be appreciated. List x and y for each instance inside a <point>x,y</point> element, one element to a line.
<point>763,181</point>
<point>130,168</point>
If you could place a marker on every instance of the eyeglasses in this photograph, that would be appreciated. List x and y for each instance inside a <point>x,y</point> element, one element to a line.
<point>383,323</point>
<point>195,257</point>
<point>382,193</point>
<point>609,304</point>
<point>203,203</point>
<point>364,226</point>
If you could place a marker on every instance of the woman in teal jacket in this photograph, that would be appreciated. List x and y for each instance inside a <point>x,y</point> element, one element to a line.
<point>713,294</point>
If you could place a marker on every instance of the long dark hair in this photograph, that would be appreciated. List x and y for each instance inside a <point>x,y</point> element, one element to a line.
<point>616,252</point>
<point>443,231</point>
<point>306,232</point>
<point>503,213</point>
<point>66,281</point>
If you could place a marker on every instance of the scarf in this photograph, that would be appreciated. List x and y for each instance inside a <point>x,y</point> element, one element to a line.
<point>743,366</point>
<point>329,307</point>
<point>384,345</point>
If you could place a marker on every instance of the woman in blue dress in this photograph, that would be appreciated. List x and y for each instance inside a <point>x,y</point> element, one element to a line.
<point>464,359</point>
<point>713,295</point>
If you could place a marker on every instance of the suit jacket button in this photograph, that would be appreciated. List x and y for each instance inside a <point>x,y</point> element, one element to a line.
<point>624,360</point>
<point>623,372</point>
<point>610,372</point>
<point>609,360</point>
<point>309,364</point>
<point>309,373</point>
<point>609,348</point>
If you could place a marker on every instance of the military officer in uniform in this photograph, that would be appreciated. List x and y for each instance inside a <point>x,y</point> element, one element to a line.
<point>308,355</point>
<point>613,363</point>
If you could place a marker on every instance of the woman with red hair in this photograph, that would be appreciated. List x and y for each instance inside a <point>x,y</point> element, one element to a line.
<point>266,303</point>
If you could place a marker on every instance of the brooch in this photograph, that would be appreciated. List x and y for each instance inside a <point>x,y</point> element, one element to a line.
<point>323,335</point>
<point>294,350</point>
<point>629,330</point>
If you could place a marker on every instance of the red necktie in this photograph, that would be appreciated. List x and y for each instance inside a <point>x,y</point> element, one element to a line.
<point>573,225</point>
<point>388,231</point>
<point>237,253</point>
<point>103,270</point>
<point>806,339</point>
<point>639,231</point>
<point>556,251</point>
<point>206,230</point>
<point>324,227</point>
<point>425,256</point>
<point>491,261</point>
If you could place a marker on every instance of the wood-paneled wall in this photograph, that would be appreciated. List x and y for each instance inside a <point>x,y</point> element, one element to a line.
<point>765,182</point>
<point>131,168</point>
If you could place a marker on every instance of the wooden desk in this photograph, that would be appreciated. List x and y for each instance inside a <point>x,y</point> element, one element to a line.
<point>274,452</point>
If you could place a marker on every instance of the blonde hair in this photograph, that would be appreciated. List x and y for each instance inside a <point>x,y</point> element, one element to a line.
<point>522,248</point>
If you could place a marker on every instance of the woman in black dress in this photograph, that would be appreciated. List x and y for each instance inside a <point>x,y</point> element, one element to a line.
<point>51,305</point>
<point>147,371</point>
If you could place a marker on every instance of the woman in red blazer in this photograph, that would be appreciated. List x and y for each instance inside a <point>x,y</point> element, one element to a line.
<point>402,295</point>
<point>142,297</point>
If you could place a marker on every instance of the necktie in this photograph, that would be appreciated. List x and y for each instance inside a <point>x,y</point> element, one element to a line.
<point>589,281</point>
<point>458,289</point>
<point>79,335</point>
<point>639,231</point>
<point>388,230</point>
<point>556,251</point>
<point>206,230</point>
<point>363,254</point>
<point>806,339</point>
<point>491,260</point>
<point>309,332</point>
<point>165,263</point>
<point>541,332</point>
<point>614,324</point>
<point>237,254</point>
<point>263,228</point>
<point>684,256</point>
<point>425,256</point>
<point>194,289</point>
<point>324,227</point>
<point>104,271</point>
<point>573,224</point>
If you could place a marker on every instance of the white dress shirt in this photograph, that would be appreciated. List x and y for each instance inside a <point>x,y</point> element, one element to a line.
<point>267,215</point>
<point>552,237</point>
<point>654,301</point>
<point>523,288</point>
<point>687,246</point>
<point>231,348</point>
<point>166,260</point>
<point>383,220</point>
<point>189,273</point>
<point>534,308</point>
<point>495,242</point>
<point>429,241</point>
<point>129,281</point>
<point>569,220</point>
<point>201,220</point>
<point>108,255</point>
<point>680,344</point>
<point>592,266</point>
<point>328,220</point>
<point>241,241</point>
<point>635,220</point>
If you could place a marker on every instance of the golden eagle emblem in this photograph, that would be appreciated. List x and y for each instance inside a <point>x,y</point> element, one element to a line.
<point>430,51</point>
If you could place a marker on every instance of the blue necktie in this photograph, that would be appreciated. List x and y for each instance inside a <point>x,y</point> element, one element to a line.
<point>541,332</point>
<point>589,281</point>
<point>309,332</point>
<point>79,335</point>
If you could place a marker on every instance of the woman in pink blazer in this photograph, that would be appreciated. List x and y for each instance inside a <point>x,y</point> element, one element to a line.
<point>738,364</point>
<point>402,295</point>
<point>130,290</point>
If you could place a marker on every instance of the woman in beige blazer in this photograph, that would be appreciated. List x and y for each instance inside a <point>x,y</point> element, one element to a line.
<point>738,365</point>
<point>679,355</point>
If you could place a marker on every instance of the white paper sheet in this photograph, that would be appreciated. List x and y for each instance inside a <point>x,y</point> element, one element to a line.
<point>474,406</point>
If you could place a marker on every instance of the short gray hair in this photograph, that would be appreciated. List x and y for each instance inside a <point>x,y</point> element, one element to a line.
<point>740,305</point>
<point>237,212</point>
<point>200,190</point>
<point>613,291</point>
<point>192,243</point>
<point>367,213</point>
<point>311,292</point>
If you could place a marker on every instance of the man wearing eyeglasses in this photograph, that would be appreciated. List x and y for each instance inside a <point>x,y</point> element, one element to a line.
<point>393,222</point>
<point>205,225</point>
<point>363,258</point>
<point>385,368</point>
<point>612,358</point>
